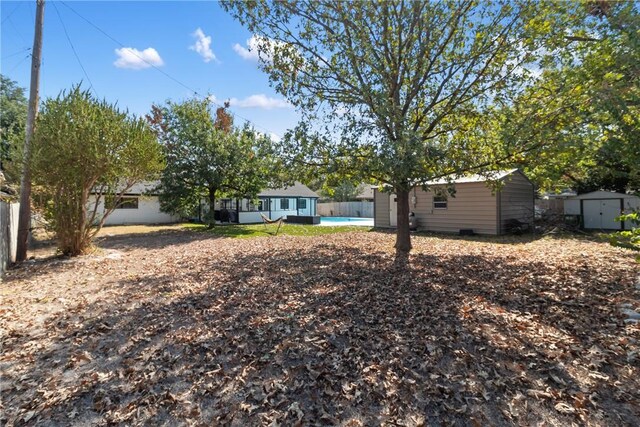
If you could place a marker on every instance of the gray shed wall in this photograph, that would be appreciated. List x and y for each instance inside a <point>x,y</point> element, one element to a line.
<point>516,199</point>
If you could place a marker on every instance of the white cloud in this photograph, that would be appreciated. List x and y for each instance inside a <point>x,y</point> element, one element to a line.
<point>135,59</point>
<point>252,51</point>
<point>260,101</point>
<point>203,45</point>
<point>274,137</point>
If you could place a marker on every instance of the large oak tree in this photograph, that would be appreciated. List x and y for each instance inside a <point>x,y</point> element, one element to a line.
<point>399,91</point>
<point>13,119</point>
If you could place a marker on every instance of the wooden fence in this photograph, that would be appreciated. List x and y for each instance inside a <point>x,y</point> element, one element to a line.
<point>346,209</point>
<point>8,234</point>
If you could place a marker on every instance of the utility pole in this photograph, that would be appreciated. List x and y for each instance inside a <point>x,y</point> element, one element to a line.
<point>24,219</point>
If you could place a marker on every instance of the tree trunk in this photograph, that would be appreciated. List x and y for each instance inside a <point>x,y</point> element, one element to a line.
<point>403,238</point>
<point>212,207</point>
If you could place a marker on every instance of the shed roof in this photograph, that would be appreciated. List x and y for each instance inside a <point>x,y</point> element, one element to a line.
<point>296,190</point>
<point>491,176</point>
<point>604,195</point>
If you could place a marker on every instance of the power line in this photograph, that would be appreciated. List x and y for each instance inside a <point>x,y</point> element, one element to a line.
<point>17,32</point>
<point>16,53</point>
<point>19,63</point>
<point>91,86</point>
<point>11,13</point>
<point>195,92</point>
<point>132,51</point>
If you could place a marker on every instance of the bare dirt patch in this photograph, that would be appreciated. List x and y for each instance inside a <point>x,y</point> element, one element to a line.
<point>176,327</point>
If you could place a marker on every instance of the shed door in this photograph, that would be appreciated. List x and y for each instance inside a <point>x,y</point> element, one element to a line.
<point>601,214</point>
<point>393,210</point>
<point>610,211</point>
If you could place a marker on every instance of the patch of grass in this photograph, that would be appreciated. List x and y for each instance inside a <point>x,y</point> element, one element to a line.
<point>255,230</point>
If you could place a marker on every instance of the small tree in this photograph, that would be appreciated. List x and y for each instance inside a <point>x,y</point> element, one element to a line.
<point>586,103</point>
<point>13,119</point>
<point>344,191</point>
<point>207,157</point>
<point>84,146</point>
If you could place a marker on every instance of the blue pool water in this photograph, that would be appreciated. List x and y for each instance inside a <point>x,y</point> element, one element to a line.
<point>336,220</point>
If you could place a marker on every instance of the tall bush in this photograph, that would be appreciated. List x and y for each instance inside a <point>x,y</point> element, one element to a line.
<point>84,146</point>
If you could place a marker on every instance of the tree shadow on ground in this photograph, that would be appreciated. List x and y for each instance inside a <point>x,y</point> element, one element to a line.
<point>152,240</point>
<point>333,335</point>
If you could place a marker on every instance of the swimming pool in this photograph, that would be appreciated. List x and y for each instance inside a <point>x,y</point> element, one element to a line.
<point>338,221</point>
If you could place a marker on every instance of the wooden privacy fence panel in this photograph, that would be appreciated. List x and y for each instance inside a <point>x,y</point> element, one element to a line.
<point>346,209</point>
<point>8,233</point>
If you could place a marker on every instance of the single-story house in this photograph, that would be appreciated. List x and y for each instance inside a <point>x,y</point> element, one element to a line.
<point>598,210</point>
<point>139,205</point>
<point>296,203</point>
<point>475,207</point>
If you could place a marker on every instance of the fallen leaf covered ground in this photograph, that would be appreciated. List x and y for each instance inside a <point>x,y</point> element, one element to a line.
<point>183,328</point>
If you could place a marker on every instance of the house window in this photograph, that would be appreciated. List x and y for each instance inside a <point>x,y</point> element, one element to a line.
<point>302,203</point>
<point>439,200</point>
<point>284,204</point>
<point>123,203</point>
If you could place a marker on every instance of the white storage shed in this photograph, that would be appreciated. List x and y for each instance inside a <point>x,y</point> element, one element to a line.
<point>598,210</point>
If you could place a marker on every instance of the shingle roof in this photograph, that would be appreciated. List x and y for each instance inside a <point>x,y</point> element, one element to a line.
<point>144,187</point>
<point>296,190</point>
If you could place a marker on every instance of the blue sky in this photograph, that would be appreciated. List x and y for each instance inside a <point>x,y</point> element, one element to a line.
<point>193,42</point>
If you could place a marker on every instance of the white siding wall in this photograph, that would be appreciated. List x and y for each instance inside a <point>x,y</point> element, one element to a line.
<point>148,212</point>
<point>251,217</point>
<point>572,205</point>
<point>516,199</point>
<point>278,214</point>
<point>631,203</point>
<point>308,211</point>
<point>276,204</point>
